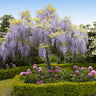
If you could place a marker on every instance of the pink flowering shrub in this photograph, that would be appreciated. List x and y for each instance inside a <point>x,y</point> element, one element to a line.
<point>77,71</point>
<point>39,75</point>
<point>40,70</point>
<point>90,75</point>
<point>57,67</point>
<point>90,68</point>
<point>75,67</point>
<point>49,71</point>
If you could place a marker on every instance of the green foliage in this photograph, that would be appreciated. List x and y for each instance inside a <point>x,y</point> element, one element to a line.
<point>90,55</point>
<point>10,73</point>
<point>4,22</point>
<point>68,57</point>
<point>30,78</point>
<point>53,89</point>
<point>54,59</point>
<point>19,60</point>
<point>74,58</point>
<point>27,61</point>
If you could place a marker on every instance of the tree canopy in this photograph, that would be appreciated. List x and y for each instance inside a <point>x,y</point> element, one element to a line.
<point>44,32</point>
<point>4,22</point>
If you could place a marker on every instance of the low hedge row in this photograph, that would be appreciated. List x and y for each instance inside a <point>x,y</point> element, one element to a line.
<point>10,73</point>
<point>53,89</point>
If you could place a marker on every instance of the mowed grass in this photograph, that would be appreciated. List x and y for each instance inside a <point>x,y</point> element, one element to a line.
<point>5,87</point>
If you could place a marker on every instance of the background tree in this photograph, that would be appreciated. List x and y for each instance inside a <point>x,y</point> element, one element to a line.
<point>60,33</point>
<point>90,55</point>
<point>92,39</point>
<point>4,22</point>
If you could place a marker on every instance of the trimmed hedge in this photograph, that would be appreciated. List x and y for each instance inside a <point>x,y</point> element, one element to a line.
<point>53,89</point>
<point>10,73</point>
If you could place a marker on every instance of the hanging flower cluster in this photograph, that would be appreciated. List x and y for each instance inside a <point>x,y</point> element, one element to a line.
<point>46,30</point>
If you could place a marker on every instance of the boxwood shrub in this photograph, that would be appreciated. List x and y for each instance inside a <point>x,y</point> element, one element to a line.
<point>10,73</point>
<point>53,89</point>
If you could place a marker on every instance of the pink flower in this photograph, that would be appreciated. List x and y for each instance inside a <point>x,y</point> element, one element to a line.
<point>34,67</point>
<point>93,72</point>
<point>89,74</point>
<point>38,75</point>
<point>40,69</point>
<point>56,77</point>
<point>57,67</point>
<point>41,82</point>
<point>90,68</point>
<point>28,70</point>
<point>75,67</point>
<point>77,71</point>
<point>83,68</point>
<point>38,82</point>
<point>23,73</point>
<point>49,71</point>
<point>56,71</point>
<point>79,68</point>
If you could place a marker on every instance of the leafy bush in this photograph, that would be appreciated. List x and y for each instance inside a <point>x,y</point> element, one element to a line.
<point>10,73</point>
<point>41,75</point>
<point>54,59</point>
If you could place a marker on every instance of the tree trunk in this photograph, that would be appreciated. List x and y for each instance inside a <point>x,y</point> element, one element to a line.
<point>48,61</point>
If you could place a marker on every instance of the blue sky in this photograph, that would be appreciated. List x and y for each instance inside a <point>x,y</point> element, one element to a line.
<point>81,11</point>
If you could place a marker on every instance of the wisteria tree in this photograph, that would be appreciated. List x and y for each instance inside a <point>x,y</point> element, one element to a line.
<point>44,32</point>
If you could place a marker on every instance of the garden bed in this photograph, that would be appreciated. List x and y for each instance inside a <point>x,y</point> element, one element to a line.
<point>10,73</point>
<point>53,89</point>
<point>69,81</point>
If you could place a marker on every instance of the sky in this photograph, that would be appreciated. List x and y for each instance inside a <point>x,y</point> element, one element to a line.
<point>81,11</point>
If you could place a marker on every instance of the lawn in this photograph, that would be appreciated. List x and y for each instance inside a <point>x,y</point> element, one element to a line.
<point>5,87</point>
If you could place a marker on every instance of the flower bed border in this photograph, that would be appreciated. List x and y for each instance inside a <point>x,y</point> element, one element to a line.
<point>53,89</point>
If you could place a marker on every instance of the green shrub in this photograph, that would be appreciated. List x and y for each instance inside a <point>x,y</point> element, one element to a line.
<point>53,89</point>
<point>59,74</point>
<point>10,73</point>
<point>54,59</point>
<point>18,60</point>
